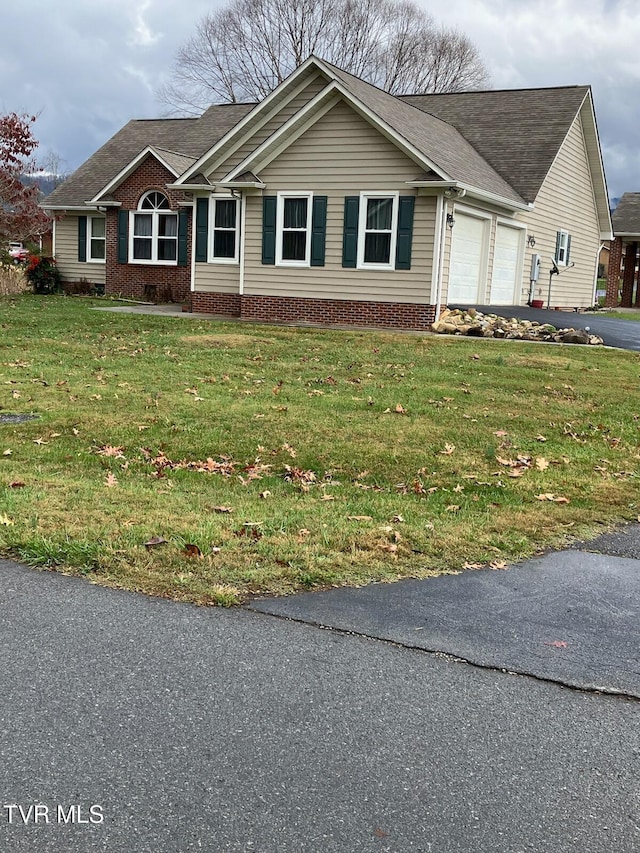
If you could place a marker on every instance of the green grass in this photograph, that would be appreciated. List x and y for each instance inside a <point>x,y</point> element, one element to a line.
<point>343,457</point>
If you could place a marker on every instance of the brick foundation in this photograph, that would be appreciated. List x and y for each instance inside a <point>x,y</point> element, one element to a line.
<point>216,303</point>
<point>292,309</point>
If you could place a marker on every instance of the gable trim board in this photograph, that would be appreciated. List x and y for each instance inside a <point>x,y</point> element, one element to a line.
<point>329,137</point>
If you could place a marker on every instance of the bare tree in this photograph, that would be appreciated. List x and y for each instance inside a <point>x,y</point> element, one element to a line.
<point>244,50</point>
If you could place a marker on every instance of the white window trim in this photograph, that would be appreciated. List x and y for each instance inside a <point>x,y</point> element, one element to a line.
<point>155,214</point>
<point>280,262</point>
<point>362,222</point>
<point>91,260</point>
<point>212,259</point>
<point>563,246</point>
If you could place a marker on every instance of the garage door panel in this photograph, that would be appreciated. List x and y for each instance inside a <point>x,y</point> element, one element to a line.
<point>506,266</point>
<point>467,259</point>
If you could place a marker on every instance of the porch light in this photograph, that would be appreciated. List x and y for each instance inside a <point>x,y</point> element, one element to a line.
<point>450,220</point>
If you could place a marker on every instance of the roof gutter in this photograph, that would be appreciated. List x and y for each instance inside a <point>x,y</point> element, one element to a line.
<point>456,190</point>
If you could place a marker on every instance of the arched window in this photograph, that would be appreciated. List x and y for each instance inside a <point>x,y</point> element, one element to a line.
<point>154,231</point>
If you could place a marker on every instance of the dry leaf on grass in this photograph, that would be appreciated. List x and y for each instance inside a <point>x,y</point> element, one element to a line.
<point>191,550</point>
<point>7,452</point>
<point>558,499</point>
<point>359,518</point>
<point>154,541</point>
<point>541,463</point>
<point>5,521</point>
<point>111,480</point>
<point>223,509</point>
<point>17,484</point>
<point>448,449</point>
<point>452,508</point>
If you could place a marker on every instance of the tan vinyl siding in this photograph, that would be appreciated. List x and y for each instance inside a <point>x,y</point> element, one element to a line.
<point>264,132</point>
<point>565,203</point>
<point>217,278</point>
<point>341,155</point>
<point>66,252</point>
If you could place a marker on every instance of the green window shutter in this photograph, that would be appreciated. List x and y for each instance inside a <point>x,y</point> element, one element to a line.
<point>405,232</point>
<point>82,238</point>
<point>123,236</point>
<point>318,230</point>
<point>269,203</point>
<point>202,229</point>
<point>183,227</point>
<point>350,231</point>
<point>556,256</point>
<point>568,248</point>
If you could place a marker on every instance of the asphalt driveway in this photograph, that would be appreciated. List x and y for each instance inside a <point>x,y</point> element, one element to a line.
<point>624,334</point>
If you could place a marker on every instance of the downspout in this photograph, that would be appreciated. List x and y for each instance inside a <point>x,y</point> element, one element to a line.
<point>594,298</point>
<point>438,254</point>
<point>243,221</point>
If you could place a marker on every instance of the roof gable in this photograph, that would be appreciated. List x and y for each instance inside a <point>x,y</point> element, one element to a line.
<point>187,137</point>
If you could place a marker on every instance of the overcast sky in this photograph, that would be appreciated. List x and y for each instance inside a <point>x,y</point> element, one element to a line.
<point>88,66</point>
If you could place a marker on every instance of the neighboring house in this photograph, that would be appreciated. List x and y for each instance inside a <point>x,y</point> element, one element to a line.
<point>333,201</point>
<point>624,253</point>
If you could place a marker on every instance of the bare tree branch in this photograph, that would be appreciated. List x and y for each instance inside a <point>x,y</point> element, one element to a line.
<point>242,51</point>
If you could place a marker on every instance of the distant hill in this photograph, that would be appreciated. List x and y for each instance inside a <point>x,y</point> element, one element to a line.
<point>46,183</point>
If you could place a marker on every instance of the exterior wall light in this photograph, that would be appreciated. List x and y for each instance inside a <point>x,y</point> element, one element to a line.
<point>450,220</point>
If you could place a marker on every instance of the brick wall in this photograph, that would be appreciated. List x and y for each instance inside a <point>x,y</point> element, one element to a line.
<point>170,283</point>
<point>392,315</point>
<point>216,303</point>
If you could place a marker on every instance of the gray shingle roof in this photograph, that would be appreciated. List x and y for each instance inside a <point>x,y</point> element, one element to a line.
<point>518,131</point>
<point>433,137</point>
<point>178,162</point>
<point>626,216</point>
<point>188,137</point>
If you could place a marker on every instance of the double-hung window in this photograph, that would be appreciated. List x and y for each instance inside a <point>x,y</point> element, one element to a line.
<point>293,229</point>
<point>563,247</point>
<point>224,233</point>
<point>96,241</point>
<point>377,230</point>
<point>154,232</point>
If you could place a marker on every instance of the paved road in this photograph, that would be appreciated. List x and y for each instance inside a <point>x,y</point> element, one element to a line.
<point>624,334</point>
<point>210,730</point>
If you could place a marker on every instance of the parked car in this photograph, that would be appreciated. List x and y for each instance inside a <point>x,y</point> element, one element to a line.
<point>18,252</point>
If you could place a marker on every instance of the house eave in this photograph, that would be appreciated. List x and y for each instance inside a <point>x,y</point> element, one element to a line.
<point>456,190</point>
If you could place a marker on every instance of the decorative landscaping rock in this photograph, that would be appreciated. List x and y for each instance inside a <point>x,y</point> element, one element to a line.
<point>474,323</point>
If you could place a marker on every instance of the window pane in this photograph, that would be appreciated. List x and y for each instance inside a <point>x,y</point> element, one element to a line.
<point>295,212</point>
<point>97,250</point>
<point>379,213</point>
<point>377,248</point>
<point>224,244</point>
<point>153,201</point>
<point>294,244</point>
<point>167,250</point>
<point>141,249</point>
<point>167,225</point>
<point>142,224</point>
<point>97,227</point>
<point>225,214</point>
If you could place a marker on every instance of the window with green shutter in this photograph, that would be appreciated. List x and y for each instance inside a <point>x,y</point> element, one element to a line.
<point>269,206</point>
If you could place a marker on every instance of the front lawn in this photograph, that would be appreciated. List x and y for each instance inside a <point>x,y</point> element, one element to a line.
<point>263,459</point>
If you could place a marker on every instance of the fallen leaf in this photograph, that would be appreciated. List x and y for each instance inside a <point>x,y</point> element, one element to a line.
<point>17,484</point>
<point>398,519</point>
<point>540,438</point>
<point>327,498</point>
<point>452,508</point>
<point>501,433</point>
<point>155,540</point>
<point>359,518</point>
<point>266,494</point>
<point>558,499</point>
<point>111,480</point>
<point>5,521</point>
<point>497,564</point>
<point>390,547</point>
<point>473,566</point>
<point>223,509</point>
<point>191,550</point>
<point>7,452</point>
<point>110,450</point>
<point>541,463</point>
<point>40,441</point>
<point>557,644</point>
<point>448,449</point>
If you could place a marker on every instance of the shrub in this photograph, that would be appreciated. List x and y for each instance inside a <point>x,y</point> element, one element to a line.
<point>83,287</point>
<point>43,274</point>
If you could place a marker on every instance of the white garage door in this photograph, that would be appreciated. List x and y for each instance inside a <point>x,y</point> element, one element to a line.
<point>506,267</point>
<point>467,259</point>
